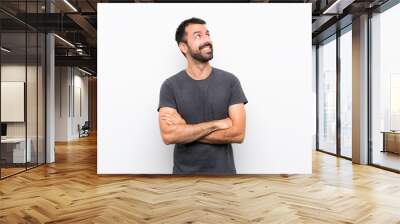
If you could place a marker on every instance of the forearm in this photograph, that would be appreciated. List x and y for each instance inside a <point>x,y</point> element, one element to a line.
<point>186,133</point>
<point>230,135</point>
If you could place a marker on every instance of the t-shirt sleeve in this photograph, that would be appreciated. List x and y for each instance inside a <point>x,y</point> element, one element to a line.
<point>237,94</point>
<point>167,97</point>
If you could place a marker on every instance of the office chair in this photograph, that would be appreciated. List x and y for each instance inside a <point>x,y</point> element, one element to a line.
<point>84,130</point>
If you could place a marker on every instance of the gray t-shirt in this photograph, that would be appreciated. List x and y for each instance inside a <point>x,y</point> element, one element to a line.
<point>201,101</point>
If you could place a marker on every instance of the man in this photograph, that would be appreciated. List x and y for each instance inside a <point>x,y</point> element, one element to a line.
<point>201,108</point>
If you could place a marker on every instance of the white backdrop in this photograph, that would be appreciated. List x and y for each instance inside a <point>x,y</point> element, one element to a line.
<point>267,46</point>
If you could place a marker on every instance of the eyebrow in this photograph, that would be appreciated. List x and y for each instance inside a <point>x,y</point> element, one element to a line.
<point>199,32</point>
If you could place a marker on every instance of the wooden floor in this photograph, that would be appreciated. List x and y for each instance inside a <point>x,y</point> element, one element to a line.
<point>70,191</point>
<point>5,172</point>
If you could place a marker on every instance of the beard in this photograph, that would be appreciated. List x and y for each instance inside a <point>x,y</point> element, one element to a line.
<point>202,57</point>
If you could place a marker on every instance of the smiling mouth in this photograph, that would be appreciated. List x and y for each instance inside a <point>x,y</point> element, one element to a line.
<point>209,47</point>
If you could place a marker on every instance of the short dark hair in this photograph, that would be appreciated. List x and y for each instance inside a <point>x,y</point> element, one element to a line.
<point>180,31</point>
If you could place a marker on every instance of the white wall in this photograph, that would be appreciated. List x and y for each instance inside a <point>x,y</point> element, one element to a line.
<point>61,103</point>
<point>271,56</point>
<point>68,81</point>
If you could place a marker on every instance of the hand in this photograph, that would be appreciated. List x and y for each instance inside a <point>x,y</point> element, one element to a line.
<point>224,123</point>
<point>173,118</point>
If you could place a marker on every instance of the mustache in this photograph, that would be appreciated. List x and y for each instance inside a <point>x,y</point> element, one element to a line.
<point>206,45</point>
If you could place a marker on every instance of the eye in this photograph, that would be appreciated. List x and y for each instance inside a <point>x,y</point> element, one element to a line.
<point>197,36</point>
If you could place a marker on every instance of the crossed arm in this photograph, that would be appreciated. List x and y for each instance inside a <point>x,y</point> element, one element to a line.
<point>175,130</point>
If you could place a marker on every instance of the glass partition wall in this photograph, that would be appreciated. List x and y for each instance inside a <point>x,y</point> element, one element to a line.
<point>385,89</point>
<point>22,108</point>
<point>334,93</point>
<point>334,96</point>
<point>345,62</point>
<point>327,95</point>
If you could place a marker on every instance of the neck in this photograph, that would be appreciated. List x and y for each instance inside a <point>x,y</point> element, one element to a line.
<point>198,70</point>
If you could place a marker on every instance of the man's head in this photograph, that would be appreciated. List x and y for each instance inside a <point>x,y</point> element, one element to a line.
<point>193,40</point>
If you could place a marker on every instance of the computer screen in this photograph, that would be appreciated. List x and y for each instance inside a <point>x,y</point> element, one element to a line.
<point>3,129</point>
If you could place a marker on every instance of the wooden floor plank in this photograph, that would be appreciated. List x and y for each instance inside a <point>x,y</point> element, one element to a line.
<point>70,191</point>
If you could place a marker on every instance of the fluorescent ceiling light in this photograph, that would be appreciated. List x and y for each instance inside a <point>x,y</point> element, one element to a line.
<point>5,49</point>
<point>84,71</point>
<point>70,5</point>
<point>337,7</point>
<point>331,7</point>
<point>65,41</point>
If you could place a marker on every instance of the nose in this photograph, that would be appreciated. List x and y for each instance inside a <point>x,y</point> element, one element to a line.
<point>207,39</point>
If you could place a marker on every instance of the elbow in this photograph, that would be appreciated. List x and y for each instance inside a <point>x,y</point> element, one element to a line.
<point>167,139</point>
<point>166,142</point>
<point>239,138</point>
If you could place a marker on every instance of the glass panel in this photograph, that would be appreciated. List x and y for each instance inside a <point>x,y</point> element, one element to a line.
<point>386,89</point>
<point>327,96</point>
<point>31,85</point>
<point>346,93</point>
<point>31,101</point>
<point>13,89</point>
<point>22,88</point>
<point>41,98</point>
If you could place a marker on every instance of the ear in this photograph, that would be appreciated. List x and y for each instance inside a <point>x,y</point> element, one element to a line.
<point>183,47</point>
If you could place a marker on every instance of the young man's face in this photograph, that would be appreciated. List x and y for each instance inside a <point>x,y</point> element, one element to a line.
<point>198,43</point>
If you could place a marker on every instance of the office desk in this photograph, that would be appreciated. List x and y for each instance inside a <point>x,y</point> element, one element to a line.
<point>13,150</point>
<point>391,141</point>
